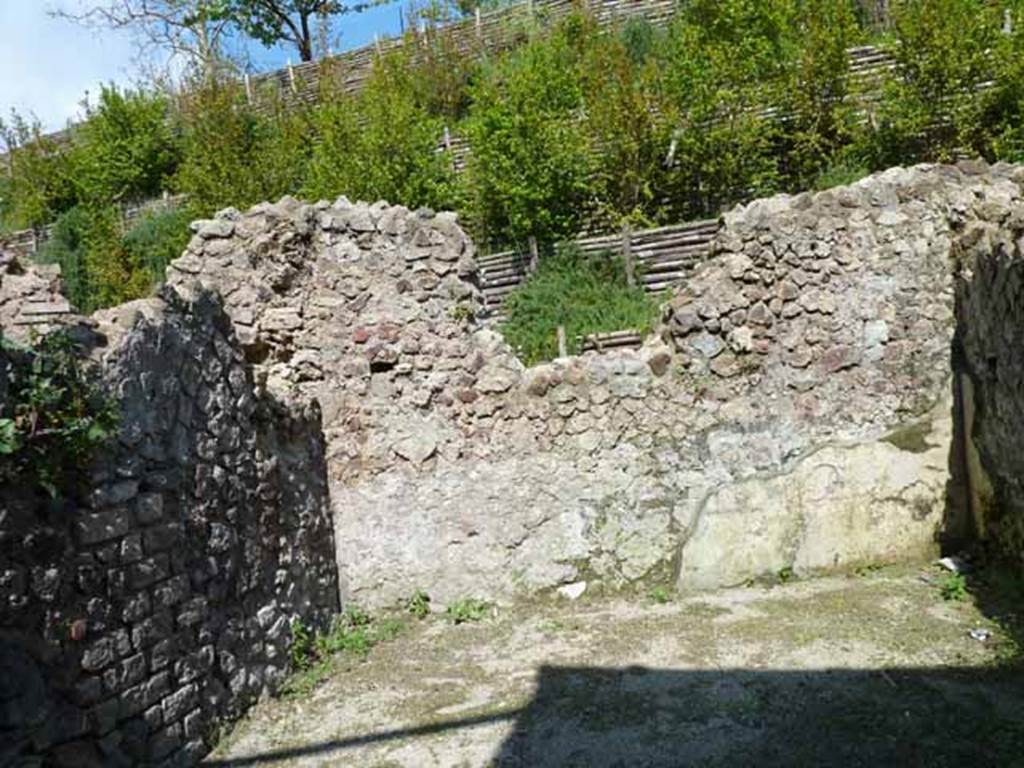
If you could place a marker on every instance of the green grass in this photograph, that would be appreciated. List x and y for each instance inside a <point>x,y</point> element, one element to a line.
<point>584,293</point>
<point>841,172</point>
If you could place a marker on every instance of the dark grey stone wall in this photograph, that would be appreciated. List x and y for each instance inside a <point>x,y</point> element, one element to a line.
<point>157,602</point>
<point>990,316</point>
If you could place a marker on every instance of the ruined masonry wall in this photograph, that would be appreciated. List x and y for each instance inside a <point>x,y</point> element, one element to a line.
<point>795,410</point>
<point>990,360</point>
<point>310,410</point>
<point>135,618</point>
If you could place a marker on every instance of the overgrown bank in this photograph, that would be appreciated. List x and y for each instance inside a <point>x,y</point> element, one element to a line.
<point>573,129</point>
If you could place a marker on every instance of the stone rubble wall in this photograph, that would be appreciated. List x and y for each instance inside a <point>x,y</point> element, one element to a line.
<point>990,361</point>
<point>312,413</point>
<point>137,616</point>
<point>794,411</point>
<point>31,298</point>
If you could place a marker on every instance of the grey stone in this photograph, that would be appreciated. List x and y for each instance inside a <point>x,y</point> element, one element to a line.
<point>97,527</point>
<point>705,345</point>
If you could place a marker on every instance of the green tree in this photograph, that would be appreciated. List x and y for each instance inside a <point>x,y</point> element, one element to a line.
<point>623,120</point>
<point>1006,101</point>
<point>39,179</point>
<point>820,101</point>
<point>723,64</point>
<point>532,164</point>
<point>290,22</point>
<point>124,150</point>
<point>933,108</point>
<point>381,144</point>
<point>235,156</point>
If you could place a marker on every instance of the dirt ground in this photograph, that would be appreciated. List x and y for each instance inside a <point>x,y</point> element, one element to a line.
<point>875,669</point>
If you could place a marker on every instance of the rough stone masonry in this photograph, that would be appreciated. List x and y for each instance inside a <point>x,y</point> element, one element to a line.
<point>138,614</point>
<point>310,410</point>
<point>795,409</point>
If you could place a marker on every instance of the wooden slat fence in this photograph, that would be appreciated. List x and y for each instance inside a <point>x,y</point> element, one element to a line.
<point>489,32</point>
<point>27,242</point>
<point>663,257</point>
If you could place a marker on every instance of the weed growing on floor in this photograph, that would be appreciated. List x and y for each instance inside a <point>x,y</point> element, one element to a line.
<point>864,571</point>
<point>419,604</point>
<point>953,587</point>
<point>467,609</point>
<point>551,627</point>
<point>660,595</point>
<point>352,633</point>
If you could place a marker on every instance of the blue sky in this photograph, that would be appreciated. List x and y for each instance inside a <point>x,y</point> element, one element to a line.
<point>48,64</point>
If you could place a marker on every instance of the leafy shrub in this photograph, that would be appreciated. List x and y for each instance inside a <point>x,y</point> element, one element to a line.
<point>156,239</point>
<point>54,415</point>
<point>820,100</point>
<point>380,144</point>
<point>113,273</point>
<point>624,124</point>
<point>39,181</point>
<point>100,266</point>
<point>66,246</point>
<point>584,293</point>
<point>441,70</point>
<point>724,62</point>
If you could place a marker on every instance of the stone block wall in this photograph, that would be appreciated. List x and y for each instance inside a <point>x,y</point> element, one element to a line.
<point>156,602</point>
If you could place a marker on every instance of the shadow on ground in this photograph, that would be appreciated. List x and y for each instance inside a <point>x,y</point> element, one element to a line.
<point>968,718</point>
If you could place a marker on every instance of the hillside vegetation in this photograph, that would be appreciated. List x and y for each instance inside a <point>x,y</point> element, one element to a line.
<point>575,128</point>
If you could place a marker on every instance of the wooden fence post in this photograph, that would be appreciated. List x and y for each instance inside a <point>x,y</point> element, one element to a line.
<point>248,88</point>
<point>534,254</point>
<point>479,24</point>
<point>448,149</point>
<point>627,254</point>
<point>563,348</point>
<point>291,76</point>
